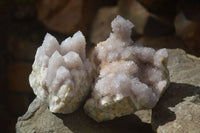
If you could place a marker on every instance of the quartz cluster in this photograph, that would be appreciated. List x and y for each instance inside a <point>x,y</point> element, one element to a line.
<point>131,76</point>
<point>61,74</point>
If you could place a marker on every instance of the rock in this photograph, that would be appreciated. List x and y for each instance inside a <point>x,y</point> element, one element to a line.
<point>39,119</point>
<point>100,29</point>
<point>190,9</point>
<point>67,16</point>
<point>144,115</point>
<point>179,107</point>
<point>178,111</point>
<point>145,22</point>
<point>34,122</point>
<point>64,20</point>
<point>189,31</point>
<point>163,8</point>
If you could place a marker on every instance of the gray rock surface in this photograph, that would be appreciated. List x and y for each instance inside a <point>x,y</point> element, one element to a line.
<point>144,115</point>
<point>178,111</point>
<point>38,119</point>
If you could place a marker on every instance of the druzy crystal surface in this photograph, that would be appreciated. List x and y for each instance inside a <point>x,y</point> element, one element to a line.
<point>61,73</point>
<point>131,76</point>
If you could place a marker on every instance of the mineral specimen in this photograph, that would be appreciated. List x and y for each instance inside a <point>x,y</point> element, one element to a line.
<point>61,74</point>
<point>132,77</point>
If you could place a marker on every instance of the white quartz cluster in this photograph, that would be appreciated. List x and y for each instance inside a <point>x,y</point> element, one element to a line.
<point>132,77</point>
<point>61,73</point>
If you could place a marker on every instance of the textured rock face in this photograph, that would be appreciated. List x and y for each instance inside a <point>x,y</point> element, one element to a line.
<point>132,77</point>
<point>189,31</point>
<point>61,73</point>
<point>38,119</point>
<point>178,111</point>
<point>67,16</point>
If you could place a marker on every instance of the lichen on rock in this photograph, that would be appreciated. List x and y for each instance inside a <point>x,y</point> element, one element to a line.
<point>61,74</point>
<point>132,77</point>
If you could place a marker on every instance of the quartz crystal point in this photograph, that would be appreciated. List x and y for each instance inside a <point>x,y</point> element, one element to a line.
<point>61,74</point>
<point>132,77</point>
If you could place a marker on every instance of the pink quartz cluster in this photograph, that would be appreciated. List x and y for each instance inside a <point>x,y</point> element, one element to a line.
<point>132,77</point>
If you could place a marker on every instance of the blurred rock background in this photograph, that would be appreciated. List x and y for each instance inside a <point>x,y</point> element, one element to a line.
<point>24,23</point>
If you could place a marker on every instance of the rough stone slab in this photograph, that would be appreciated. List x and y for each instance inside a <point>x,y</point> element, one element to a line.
<point>178,111</point>
<point>38,119</point>
<point>67,16</point>
<point>144,115</point>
